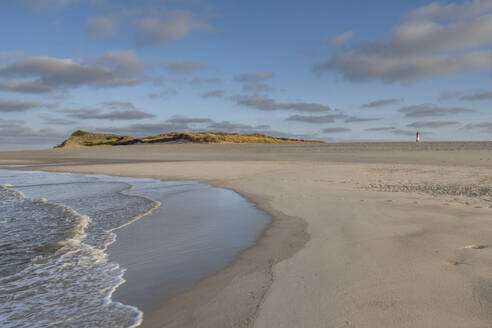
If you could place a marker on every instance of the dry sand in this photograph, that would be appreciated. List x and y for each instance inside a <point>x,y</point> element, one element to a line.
<point>364,235</point>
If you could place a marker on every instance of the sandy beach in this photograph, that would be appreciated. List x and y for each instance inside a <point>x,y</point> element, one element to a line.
<point>363,235</point>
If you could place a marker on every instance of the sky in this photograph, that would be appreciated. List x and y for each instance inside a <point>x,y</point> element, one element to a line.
<point>338,71</point>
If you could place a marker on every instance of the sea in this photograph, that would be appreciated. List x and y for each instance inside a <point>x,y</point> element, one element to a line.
<point>56,228</point>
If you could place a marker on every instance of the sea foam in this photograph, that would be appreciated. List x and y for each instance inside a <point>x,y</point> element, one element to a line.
<point>54,269</point>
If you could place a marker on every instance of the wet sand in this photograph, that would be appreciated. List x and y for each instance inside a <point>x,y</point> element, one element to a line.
<point>196,231</point>
<point>364,235</point>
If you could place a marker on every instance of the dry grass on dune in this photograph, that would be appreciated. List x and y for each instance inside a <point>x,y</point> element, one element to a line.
<point>86,139</point>
<point>220,137</point>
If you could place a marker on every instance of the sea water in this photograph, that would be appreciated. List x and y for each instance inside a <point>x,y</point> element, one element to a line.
<point>55,229</point>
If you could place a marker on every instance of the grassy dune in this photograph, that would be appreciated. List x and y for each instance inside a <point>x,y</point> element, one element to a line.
<point>87,139</point>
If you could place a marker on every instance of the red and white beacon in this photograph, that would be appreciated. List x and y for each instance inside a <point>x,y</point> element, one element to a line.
<point>418,137</point>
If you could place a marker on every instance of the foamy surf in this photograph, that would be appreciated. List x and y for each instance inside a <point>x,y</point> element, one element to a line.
<point>54,269</point>
<point>58,272</point>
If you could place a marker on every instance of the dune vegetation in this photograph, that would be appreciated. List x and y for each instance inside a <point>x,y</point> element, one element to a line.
<point>87,139</point>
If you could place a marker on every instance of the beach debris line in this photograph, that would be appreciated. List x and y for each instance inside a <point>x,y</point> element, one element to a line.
<point>469,190</point>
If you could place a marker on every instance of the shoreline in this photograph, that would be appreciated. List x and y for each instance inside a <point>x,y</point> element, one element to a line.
<point>385,239</point>
<point>295,229</point>
<point>291,229</point>
<point>217,275</point>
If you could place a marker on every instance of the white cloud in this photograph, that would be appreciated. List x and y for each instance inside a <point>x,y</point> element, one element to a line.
<point>185,67</point>
<point>264,103</point>
<point>100,27</point>
<point>330,118</point>
<point>381,128</point>
<point>419,49</point>
<point>336,130</point>
<point>356,66</point>
<point>431,124</point>
<point>341,39</point>
<point>451,11</point>
<point>258,87</point>
<point>36,74</point>
<point>175,26</point>
<point>117,104</point>
<point>432,110</point>
<point>29,86</point>
<point>213,94</point>
<point>188,120</point>
<point>254,76</point>
<point>449,94</point>
<point>121,61</point>
<point>7,105</point>
<point>380,103</point>
<point>96,114</point>
<point>478,95</point>
<point>355,119</point>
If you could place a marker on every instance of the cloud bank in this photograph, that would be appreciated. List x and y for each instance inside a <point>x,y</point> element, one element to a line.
<point>264,103</point>
<point>34,74</point>
<point>422,46</point>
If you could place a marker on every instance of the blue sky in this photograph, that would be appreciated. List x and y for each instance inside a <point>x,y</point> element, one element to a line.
<point>334,71</point>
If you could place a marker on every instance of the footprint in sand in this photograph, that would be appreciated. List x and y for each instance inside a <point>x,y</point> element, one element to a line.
<point>455,262</point>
